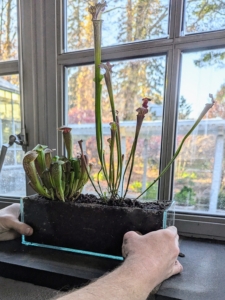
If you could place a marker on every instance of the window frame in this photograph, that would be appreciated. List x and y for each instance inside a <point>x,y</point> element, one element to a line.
<point>36,66</point>
<point>188,224</point>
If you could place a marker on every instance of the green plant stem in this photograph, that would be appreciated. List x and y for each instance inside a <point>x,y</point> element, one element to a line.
<point>108,81</point>
<point>140,119</point>
<point>119,155</point>
<point>40,160</point>
<point>71,182</point>
<point>99,181</point>
<point>46,179</point>
<point>48,157</point>
<point>86,168</point>
<point>30,169</point>
<point>205,110</point>
<point>68,140</point>
<point>97,24</point>
<point>56,175</point>
<point>111,163</point>
<point>74,188</point>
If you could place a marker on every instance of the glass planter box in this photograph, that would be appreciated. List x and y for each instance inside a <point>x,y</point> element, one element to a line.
<point>90,229</point>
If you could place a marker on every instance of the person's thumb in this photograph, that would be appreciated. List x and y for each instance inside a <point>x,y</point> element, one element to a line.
<point>19,227</point>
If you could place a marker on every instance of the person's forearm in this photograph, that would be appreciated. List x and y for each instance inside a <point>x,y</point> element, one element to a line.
<point>129,282</point>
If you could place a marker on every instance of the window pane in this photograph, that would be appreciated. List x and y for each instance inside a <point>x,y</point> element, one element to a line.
<point>204,15</point>
<point>12,177</point>
<point>124,21</point>
<point>199,171</point>
<point>132,81</point>
<point>8,30</point>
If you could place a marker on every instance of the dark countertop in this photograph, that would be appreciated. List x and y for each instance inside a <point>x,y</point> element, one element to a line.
<point>203,274</point>
<point>202,278</point>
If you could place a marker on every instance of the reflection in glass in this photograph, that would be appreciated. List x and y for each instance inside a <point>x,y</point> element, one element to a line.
<point>132,81</point>
<point>199,177</point>
<point>124,21</point>
<point>8,30</point>
<point>12,177</point>
<point>203,16</point>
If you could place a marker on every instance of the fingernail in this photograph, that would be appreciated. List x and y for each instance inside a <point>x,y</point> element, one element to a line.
<point>28,231</point>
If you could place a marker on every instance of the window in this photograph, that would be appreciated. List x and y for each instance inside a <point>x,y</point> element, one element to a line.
<point>127,21</point>
<point>199,169</point>
<point>203,16</point>
<point>8,30</point>
<point>132,79</point>
<point>183,42</point>
<point>12,177</point>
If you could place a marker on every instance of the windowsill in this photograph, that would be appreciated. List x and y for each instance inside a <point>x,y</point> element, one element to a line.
<point>203,274</point>
<point>202,278</point>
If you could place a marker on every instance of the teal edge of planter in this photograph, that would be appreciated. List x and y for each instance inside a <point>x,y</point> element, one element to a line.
<point>24,242</point>
<point>71,250</point>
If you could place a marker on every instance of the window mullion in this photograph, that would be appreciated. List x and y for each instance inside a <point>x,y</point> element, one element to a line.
<point>60,87</point>
<point>172,19</point>
<point>39,70</point>
<point>60,26</point>
<point>38,50</point>
<point>169,123</point>
<point>179,17</point>
<point>200,44</point>
<point>9,67</point>
<point>60,105</point>
<point>116,53</point>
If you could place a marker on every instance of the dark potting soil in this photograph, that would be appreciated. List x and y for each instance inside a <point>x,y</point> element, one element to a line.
<point>89,223</point>
<point>92,199</point>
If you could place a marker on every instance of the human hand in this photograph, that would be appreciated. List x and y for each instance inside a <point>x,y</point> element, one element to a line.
<point>10,226</point>
<point>155,252</point>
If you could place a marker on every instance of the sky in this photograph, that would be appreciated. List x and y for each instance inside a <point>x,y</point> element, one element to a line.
<point>197,83</point>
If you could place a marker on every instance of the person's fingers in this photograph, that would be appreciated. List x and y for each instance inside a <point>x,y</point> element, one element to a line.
<point>177,268</point>
<point>128,238</point>
<point>13,209</point>
<point>19,227</point>
<point>130,235</point>
<point>172,229</point>
<point>177,240</point>
<point>9,235</point>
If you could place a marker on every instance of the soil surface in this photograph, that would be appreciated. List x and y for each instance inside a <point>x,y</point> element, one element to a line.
<point>92,199</point>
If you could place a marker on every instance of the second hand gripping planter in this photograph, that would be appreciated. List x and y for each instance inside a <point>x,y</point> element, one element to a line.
<point>91,229</point>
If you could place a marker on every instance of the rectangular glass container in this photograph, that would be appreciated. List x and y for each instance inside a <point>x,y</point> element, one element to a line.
<point>49,231</point>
